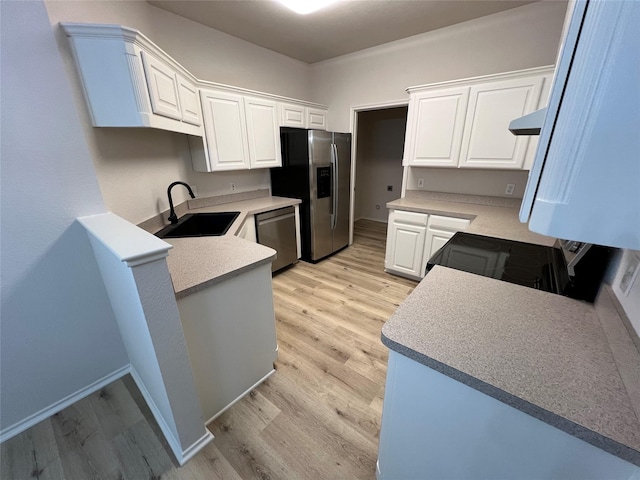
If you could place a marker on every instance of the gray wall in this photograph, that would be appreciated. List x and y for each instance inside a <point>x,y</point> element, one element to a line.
<point>58,330</point>
<point>380,143</point>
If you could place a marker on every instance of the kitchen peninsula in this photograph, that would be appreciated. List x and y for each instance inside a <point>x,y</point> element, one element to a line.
<point>470,354</point>
<point>231,342</point>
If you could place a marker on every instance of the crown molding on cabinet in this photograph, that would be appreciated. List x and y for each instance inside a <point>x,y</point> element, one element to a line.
<point>131,36</point>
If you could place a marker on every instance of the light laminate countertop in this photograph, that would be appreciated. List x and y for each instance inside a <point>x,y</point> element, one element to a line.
<point>196,263</point>
<point>497,217</point>
<point>568,363</point>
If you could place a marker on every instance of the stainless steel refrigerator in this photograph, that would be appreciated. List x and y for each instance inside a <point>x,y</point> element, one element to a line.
<point>316,168</point>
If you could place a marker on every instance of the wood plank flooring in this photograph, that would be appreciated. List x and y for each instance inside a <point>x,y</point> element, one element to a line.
<point>317,417</point>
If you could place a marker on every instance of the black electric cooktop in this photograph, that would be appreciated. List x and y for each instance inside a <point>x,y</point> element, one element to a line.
<point>526,264</point>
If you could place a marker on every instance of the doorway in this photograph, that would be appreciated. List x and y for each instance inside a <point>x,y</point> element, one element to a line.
<point>378,169</point>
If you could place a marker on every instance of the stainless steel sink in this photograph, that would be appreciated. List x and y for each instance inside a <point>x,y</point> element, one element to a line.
<point>200,225</point>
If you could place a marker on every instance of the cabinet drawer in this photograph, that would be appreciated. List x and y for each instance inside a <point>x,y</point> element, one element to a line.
<point>412,218</point>
<point>448,223</point>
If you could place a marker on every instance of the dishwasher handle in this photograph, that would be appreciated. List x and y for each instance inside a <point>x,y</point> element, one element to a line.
<point>275,215</point>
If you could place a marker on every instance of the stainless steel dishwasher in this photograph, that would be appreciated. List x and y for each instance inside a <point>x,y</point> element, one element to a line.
<point>277,229</point>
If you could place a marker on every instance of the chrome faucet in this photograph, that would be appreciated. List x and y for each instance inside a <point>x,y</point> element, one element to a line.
<point>172,213</point>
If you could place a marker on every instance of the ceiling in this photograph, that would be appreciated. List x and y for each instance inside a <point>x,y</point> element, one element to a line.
<point>341,28</point>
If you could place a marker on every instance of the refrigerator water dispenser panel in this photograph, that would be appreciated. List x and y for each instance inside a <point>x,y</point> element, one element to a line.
<point>324,182</point>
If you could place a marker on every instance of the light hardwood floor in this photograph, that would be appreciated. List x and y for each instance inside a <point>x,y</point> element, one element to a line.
<point>317,417</point>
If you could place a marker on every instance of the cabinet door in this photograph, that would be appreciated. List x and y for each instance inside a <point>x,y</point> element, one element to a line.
<point>225,130</point>
<point>317,119</point>
<point>436,122</point>
<point>406,234</point>
<point>163,87</point>
<point>439,231</point>
<point>292,115</point>
<point>487,141</point>
<point>190,106</point>
<point>263,133</point>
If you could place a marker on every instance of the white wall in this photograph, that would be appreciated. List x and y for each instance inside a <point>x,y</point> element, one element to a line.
<point>135,167</point>
<point>58,330</point>
<point>470,182</point>
<point>379,161</point>
<point>523,37</point>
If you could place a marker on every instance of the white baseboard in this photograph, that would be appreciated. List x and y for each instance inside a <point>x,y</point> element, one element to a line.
<point>240,397</point>
<point>60,405</point>
<point>194,449</point>
<point>182,456</point>
<point>373,219</point>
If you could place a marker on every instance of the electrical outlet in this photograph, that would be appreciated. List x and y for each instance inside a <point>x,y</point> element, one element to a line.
<point>389,188</point>
<point>510,188</point>
<point>421,183</point>
<point>630,274</point>
<point>233,186</point>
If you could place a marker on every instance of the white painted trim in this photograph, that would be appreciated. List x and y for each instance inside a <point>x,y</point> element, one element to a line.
<point>182,456</point>
<point>135,37</point>
<point>485,78</point>
<point>195,448</point>
<point>157,414</point>
<point>354,110</point>
<point>240,397</point>
<point>405,181</point>
<point>60,405</point>
<point>386,222</point>
<point>126,241</point>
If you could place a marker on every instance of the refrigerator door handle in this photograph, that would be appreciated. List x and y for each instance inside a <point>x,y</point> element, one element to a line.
<point>334,186</point>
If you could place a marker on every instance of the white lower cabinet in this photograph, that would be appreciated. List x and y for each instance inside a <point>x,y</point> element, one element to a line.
<point>413,238</point>
<point>406,234</point>
<point>439,230</point>
<point>231,342</point>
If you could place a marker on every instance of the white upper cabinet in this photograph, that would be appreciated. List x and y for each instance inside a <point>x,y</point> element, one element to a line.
<point>487,141</point>
<point>240,133</point>
<point>263,132</point>
<point>301,116</point>
<point>464,123</point>
<point>434,133</point>
<point>317,119</point>
<point>130,82</point>
<point>163,87</point>
<point>225,131</point>
<point>292,115</point>
<point>189,102</point>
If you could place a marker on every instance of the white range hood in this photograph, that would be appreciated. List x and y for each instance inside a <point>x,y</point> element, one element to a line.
<point>529,124</point>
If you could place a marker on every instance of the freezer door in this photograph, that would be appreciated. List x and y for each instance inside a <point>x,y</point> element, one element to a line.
<point>342,149</point>
<point>321,193</point>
